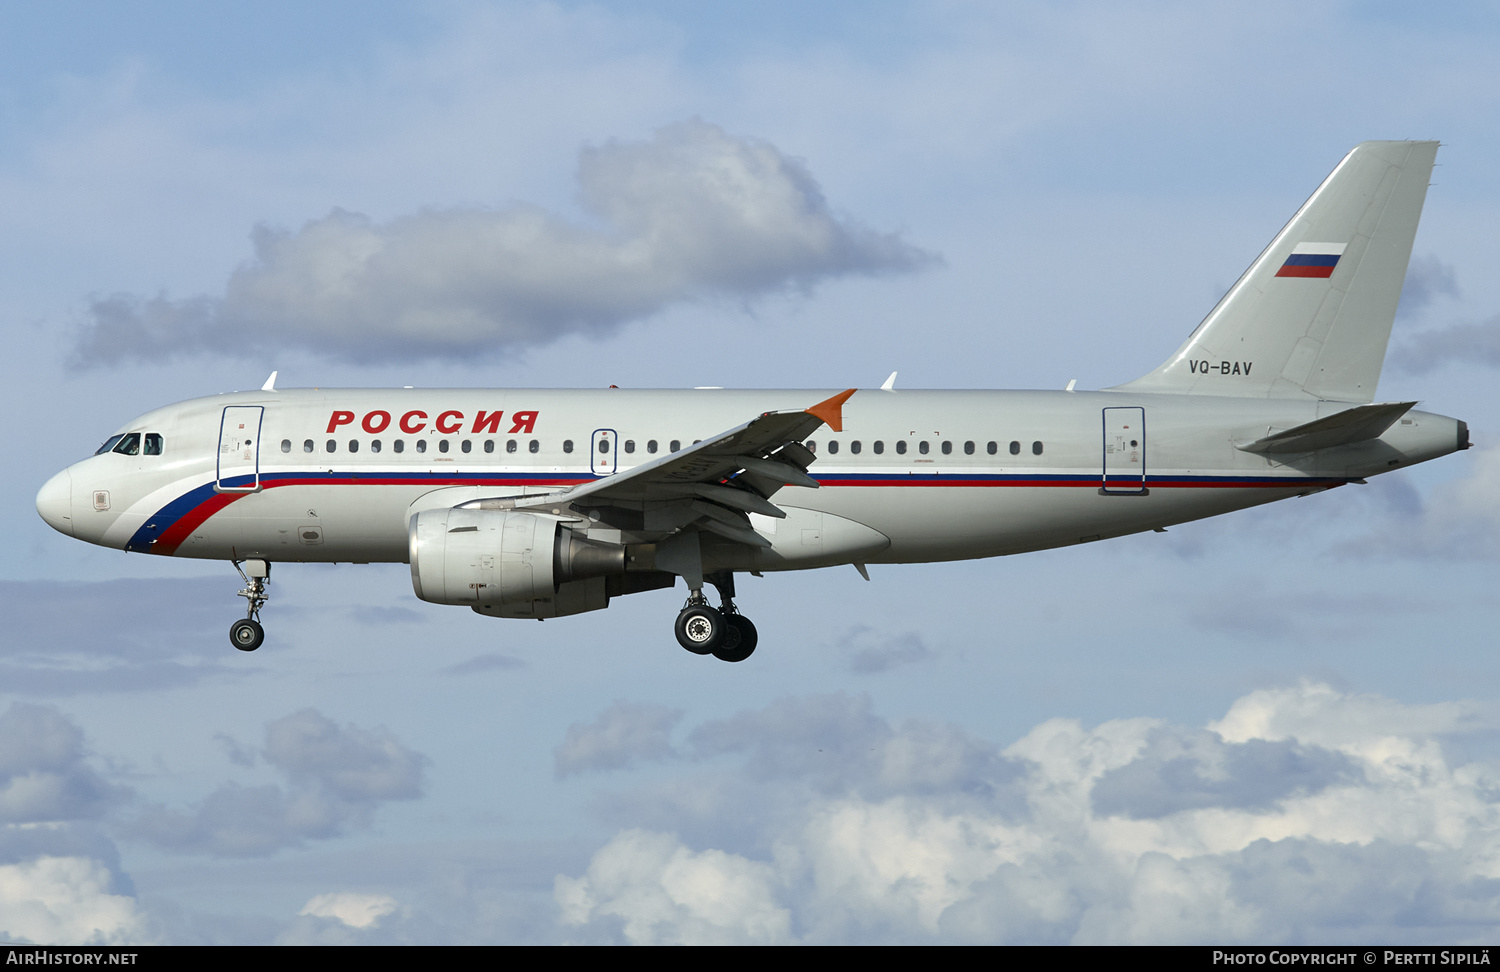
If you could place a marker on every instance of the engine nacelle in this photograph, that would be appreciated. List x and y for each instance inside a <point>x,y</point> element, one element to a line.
<point>509,564</point>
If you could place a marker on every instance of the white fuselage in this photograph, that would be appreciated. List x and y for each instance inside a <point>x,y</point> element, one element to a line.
<point>336,475</point>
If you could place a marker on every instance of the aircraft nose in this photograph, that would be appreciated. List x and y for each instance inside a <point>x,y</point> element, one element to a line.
<point>55,502</point>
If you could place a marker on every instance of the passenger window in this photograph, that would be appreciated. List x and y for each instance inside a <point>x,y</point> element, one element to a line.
<point>466,447</point>
<point>1015,448</point>
<point>332,445</point>
<point>948,448</point>
<point>533,446</point>
<point>854,447</point>
<point>922,447</point>
<point>421,445</point>
<point>307,445</point>
<point>992,448</point>
<point>811,446</point>
<point>833,447</point>
<point>651,446</point>
<point>1036,448</point>
<point>286,445</point>
<point>603,447</point>
<point>675,445</point>
<point>879,447</point>
<point>443,446</point>
<point>510,445</point>
<point>489,445</point>
<point>108,445</point>
<point>568,446</point>
<point>353,445</point>
<point>968,448</point>
<point>629,446</point>
<point>900,447</point>
<point>374,445</point>
<point>129,445</point>
<point>399,445</point>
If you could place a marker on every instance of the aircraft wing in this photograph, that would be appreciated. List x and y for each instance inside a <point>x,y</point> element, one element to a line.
<point>713,484</point>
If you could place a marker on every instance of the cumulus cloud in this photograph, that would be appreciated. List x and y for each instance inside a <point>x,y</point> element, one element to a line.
<point>351,908</point>
<point>66,901</point>
<point>624,734</point>
<point>1304,815</point>
<point>692,213</point>
<point>662,893</point>
<point>60,881</point>
<point>336,779</point>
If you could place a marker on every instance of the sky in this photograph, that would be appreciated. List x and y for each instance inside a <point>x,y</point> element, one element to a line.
<point>1279,726</point>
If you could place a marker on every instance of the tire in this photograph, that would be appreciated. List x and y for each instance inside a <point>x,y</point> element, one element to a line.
<point>700,629</point>
<point>739,641</point>
<point>246,634</point>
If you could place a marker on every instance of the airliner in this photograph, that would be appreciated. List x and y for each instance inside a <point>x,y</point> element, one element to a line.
<point>548,503</point>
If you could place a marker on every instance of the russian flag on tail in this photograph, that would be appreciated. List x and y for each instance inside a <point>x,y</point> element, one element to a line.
<point>1312,260</point>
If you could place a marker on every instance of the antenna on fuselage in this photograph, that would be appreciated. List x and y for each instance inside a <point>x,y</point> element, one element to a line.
<point>270,384</point>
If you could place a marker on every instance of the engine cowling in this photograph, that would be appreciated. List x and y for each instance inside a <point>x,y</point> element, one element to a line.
<point>509,564</point>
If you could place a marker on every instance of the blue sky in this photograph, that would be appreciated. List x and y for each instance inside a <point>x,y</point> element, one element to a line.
<point>1277,726</point>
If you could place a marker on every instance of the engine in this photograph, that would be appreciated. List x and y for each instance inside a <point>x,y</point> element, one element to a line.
<point>509,564</point>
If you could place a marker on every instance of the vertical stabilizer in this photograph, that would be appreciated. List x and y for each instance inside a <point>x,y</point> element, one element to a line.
<point>1312,316</point>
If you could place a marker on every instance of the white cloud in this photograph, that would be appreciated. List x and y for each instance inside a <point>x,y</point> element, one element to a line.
<point>662,893</point>
<point>1304,815</point>
<point>693,213</point>
<point>66,900</point>
<point>351,907</point>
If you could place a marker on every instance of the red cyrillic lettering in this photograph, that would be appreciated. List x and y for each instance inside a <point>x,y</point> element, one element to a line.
<point>408,427</point>
<point>487,422</point>
<point>524,422</point>
<point>339,418</point>
<point>442,424</point>
<point>371,418</point>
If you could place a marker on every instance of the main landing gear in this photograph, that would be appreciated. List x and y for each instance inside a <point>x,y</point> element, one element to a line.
<point>724,633</point>
<point>247,634</point>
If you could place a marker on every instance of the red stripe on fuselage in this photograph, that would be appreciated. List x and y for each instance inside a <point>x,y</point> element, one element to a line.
<point>172,537</point>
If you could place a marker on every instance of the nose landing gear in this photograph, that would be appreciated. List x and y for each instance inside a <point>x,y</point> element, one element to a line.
<point>726,634</point>
<point>247,634</point>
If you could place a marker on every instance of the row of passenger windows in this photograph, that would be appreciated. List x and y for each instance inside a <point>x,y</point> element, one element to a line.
<point>467,445</point>
<point>534,446</point>
<point>924,447</point>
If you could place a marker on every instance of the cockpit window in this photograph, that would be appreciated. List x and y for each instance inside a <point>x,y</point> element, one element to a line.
<point>129,445</point>
<point>109,444</point>
<point>153,443</point>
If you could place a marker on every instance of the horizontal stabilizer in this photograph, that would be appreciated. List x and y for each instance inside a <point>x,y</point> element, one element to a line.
<point>1342,428</point>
